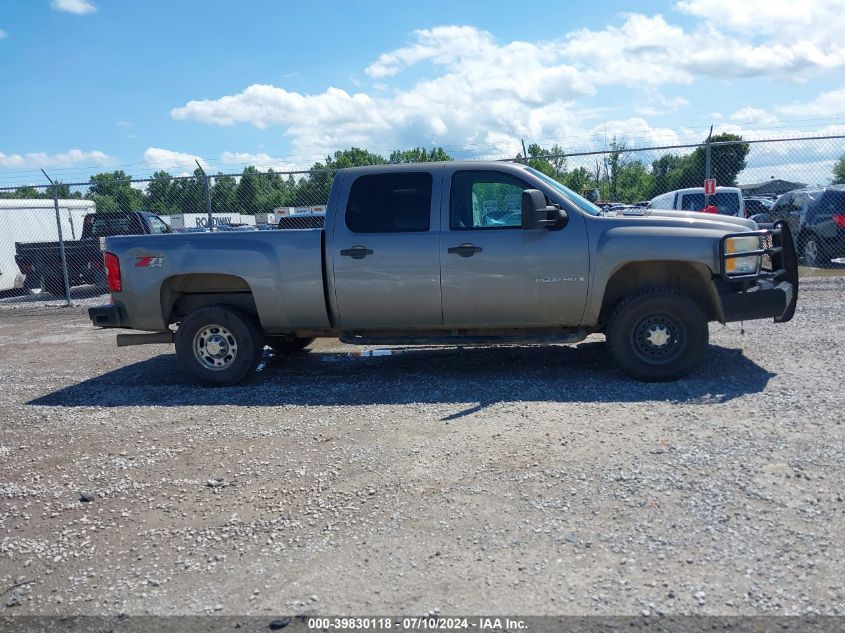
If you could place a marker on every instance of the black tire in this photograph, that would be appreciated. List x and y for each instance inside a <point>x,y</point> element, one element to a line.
<point>286,345</point>
<point>657,313</point>
<point>53,285</point>
<point>236,332</point>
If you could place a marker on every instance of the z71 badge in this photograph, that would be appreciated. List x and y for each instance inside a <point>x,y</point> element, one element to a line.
<point>148,261</point>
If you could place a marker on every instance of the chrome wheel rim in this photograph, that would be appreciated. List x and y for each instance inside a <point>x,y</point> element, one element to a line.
<point>811,253</point>
<point>658,338</point>
<point>215,347</point>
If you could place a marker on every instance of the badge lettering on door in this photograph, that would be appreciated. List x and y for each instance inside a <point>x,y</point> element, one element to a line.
<point>557,280</point>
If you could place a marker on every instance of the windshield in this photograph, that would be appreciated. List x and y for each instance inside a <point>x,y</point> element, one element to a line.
<point>579,201</point>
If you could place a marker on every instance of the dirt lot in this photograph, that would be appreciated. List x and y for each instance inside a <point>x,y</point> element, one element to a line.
<point>527,480</point>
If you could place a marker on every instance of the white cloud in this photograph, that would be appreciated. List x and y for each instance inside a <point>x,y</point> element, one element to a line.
<point>827,104</point>
<point>651,51</point>
<point>70,158</point>
<point>472,91</point>
<point>261,161</point>
<point>442,45</point>
<point>3,34</point>
<point>80,7</point>
<point>781,17</point>
<point>755,116</point>
<point>164,159</point>
<point>766,37</point>
<point>637,130</point>
<point>479,88</point>
<point>655,103</point>
<point>640,52</point>
<point>158,158</point>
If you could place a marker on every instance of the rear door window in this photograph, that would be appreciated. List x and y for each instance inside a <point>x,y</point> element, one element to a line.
<point>826,206</point>
<point>725,201</point>
<point>107,225</point>
<point>390,203</point>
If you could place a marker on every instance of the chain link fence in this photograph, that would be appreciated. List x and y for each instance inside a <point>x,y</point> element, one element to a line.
<point>52,235</point>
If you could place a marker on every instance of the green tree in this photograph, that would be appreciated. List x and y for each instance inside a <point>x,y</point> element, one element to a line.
<point>726,162</point>
<point>223,194</point>
<point>162,195</point>
<point>418,155</point>
<point>113,191</point>
<point>613,162</point>
<point>249,192</point>
<point>551,161</point>
<point>578,180</point>
<point>839,171</point>
<point>665,174</point>
<point>189,193</point>
<point>25,193</point>
<point>634,182</point>
<point>353,157</point>
<point>274,191</point>
<point>62,190</point>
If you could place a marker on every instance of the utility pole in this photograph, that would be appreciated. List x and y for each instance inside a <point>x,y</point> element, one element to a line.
<point>62,255</point>
<point>707,164</point>
<point>207,196</point>
<point>524,153</point>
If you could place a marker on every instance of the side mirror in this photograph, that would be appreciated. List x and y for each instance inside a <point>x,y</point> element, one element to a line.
<point>536,214</point>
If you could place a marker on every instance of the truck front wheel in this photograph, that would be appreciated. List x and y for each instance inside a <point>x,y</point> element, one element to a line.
<point>657,334</point>
<point>219,345</point>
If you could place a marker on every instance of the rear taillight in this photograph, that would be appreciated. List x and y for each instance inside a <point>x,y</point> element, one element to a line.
<point>839,218</point>
<point>112,272</point>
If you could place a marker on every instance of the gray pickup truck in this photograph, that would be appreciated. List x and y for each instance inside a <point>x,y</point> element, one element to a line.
<point>458,253</point>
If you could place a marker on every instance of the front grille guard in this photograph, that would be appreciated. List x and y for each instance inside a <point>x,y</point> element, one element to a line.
<point>779,261</point>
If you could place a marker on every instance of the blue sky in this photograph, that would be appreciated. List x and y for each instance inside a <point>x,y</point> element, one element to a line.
<point>93,84</point>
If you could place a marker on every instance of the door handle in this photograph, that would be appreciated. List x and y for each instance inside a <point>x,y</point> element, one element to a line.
<point>465,250</point>
<point>356,252</point>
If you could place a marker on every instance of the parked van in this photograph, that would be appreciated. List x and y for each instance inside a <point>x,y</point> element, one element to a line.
<point>727,200</point>
<point>34,220</point>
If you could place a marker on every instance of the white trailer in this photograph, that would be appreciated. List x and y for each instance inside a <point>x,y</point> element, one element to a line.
<point>280,212</point>
<point>200,220</point>
<point>35,221</point>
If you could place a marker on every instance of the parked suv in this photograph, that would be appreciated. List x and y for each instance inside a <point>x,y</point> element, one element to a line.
<point>755,206</point>
<point>816,216</point>
<point>726,200</point>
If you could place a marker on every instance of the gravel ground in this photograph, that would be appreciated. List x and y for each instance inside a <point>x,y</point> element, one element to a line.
<point>526,480</point>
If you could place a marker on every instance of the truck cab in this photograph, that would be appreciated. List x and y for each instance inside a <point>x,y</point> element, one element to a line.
<point>444,256</point>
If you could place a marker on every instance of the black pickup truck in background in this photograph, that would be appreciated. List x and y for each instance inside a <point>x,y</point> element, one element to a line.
<point>41,262</point>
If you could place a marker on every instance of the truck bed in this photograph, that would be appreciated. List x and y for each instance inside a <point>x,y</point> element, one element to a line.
<point>284,270</point>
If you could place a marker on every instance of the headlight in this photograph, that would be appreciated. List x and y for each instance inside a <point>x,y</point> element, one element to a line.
<point>743,265</point>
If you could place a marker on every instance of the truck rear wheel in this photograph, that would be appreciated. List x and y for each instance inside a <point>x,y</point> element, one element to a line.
<point>287,344</point>
<point>219,345</point>
<point>53,285</point>
<point>658,334</point>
